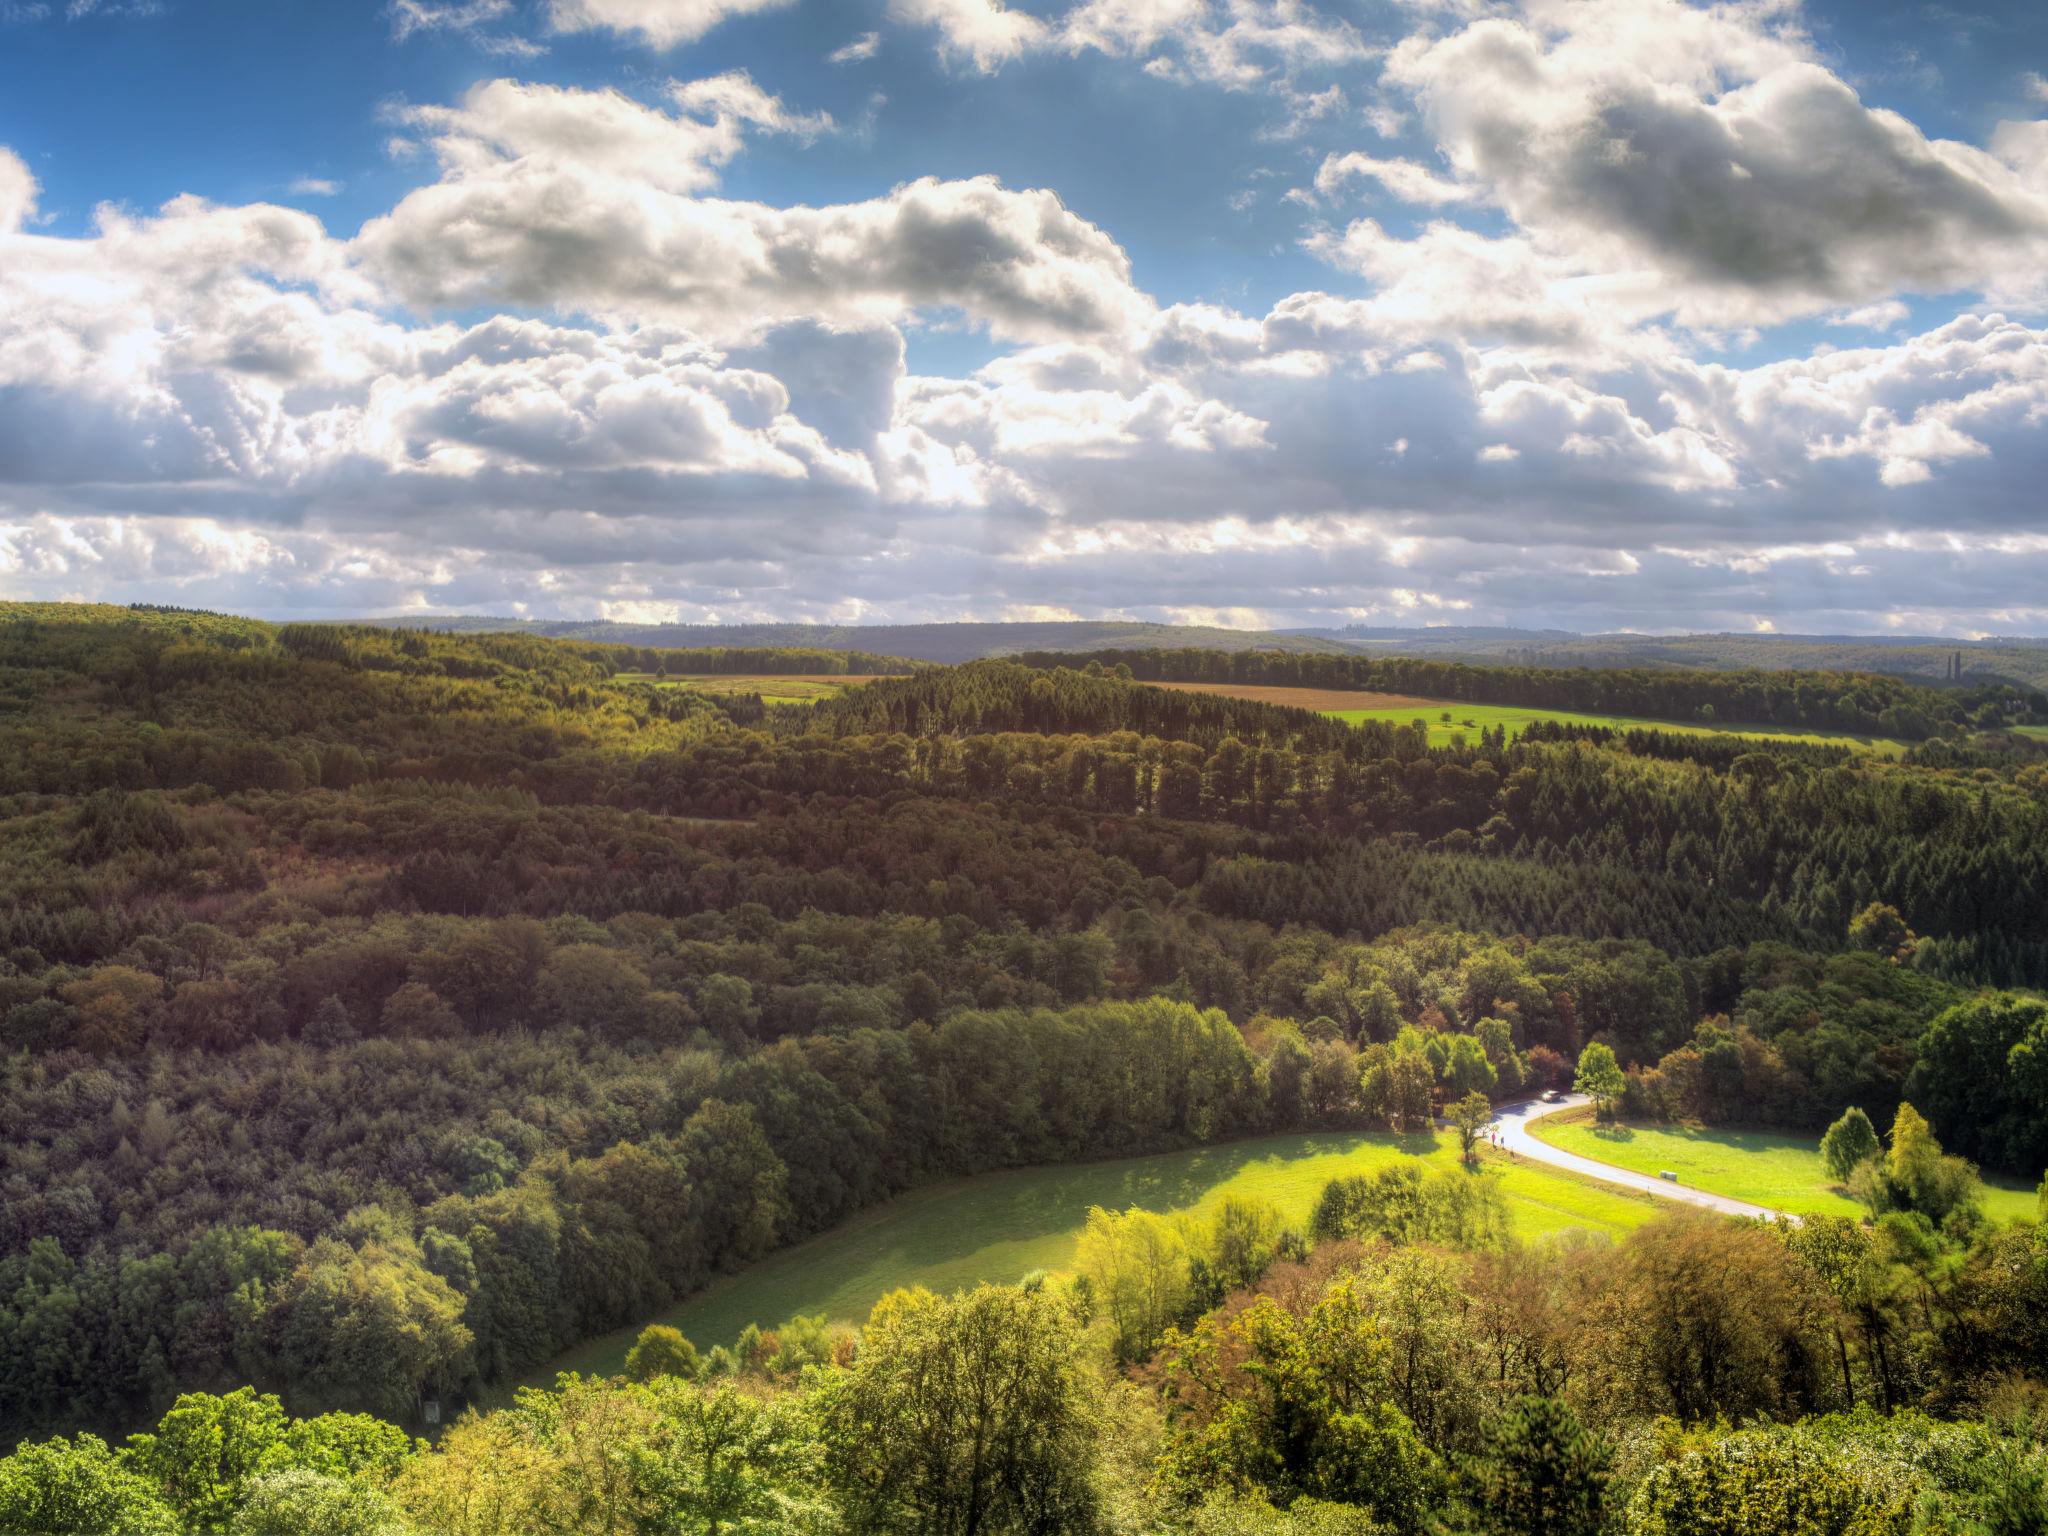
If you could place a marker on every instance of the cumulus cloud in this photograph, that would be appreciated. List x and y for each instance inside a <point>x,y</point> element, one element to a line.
<point>585,202</point>
<point>1908,409</point>
<point>1706,148</point>
<point>1451,283</point>
<point>507,123</point>
<point>658,24</point>
<point>569,370</point>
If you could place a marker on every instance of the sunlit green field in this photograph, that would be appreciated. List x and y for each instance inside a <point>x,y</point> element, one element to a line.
<point>1001,1226</point>
<point>774,688</point>
<point>1468,720</point>
<point>1764,1167</point>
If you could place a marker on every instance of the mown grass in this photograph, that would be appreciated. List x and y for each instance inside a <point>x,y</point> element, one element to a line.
<point>1002,1226</point>
<point>1468,720</point>
<point>1764,1167</point>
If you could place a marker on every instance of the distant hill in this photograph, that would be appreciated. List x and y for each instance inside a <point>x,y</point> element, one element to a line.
<point>1922,658</point>
<point>917,642</point>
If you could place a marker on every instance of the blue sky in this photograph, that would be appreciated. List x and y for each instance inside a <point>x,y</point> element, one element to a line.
<point>1596,313</point>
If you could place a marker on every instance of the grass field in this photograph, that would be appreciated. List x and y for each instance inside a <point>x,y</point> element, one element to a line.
<point>1468,720</point>
<point>1765,1167</point>
<point>1325,701</point>
<point>774,688</point>
<point>1001,1226</point>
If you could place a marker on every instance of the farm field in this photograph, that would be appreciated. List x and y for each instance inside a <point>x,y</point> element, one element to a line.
<point>1002,1226</point>
<point>1766,1167</point>
<point>774,688</point>
<point>1468,720</point>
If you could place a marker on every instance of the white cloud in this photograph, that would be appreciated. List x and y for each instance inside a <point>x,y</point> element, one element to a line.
<point>1075,400</point>
<point>78,10</point>
<point>1409,182</point>
<point>504,123</point>
<point>409,17</point>
<point>2034,85</point>
<point>17,191</point>
<point>985,34</point>
<point>1237,44</point>
<point>1908,408</point>
<point>1885,315</point>
<point>314,186</point>
<point>657,24</point>
<point>1450,283</point>
<point>701,403</point>
<point>586,202</point>
<point>866,46</point>
<point>1706,149</point>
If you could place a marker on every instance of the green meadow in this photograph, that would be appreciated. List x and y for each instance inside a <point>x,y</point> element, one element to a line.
<point>1764,1167</point>
<point>1002,1226</point>
<point>774,688</point>
<point>1468,720</point>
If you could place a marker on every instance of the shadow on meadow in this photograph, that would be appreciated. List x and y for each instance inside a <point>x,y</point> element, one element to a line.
<point>995,1226</point>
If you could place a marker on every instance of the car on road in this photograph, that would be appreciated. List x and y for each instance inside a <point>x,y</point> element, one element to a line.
<point>1552,1096</point>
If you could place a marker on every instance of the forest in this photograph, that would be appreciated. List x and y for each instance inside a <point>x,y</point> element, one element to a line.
<point>383,1012</point>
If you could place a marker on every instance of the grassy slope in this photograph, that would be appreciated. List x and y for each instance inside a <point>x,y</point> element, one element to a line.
<point>1001,1226</point>
<point>1780,1171</point>
<point>1470,719</point>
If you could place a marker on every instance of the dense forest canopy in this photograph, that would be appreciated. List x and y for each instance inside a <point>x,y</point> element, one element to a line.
<point>2017,659</point>
<point>383,1011</point>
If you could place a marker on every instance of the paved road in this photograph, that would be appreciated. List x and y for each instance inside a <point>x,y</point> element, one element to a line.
<point>1512,1121</point>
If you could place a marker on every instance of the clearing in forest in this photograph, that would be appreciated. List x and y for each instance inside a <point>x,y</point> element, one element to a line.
<point>1468,720</point>
<point>1324,701</point>
<point>774,688</point>
<point>1448,720</point>
<point>1780,1169</point>
<point>1002,1226</point>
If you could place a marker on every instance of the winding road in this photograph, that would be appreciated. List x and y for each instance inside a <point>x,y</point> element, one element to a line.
<point>1512,1121</point>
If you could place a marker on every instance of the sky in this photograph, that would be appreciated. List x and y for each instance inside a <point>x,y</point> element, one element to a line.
<point>1586,314</point>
